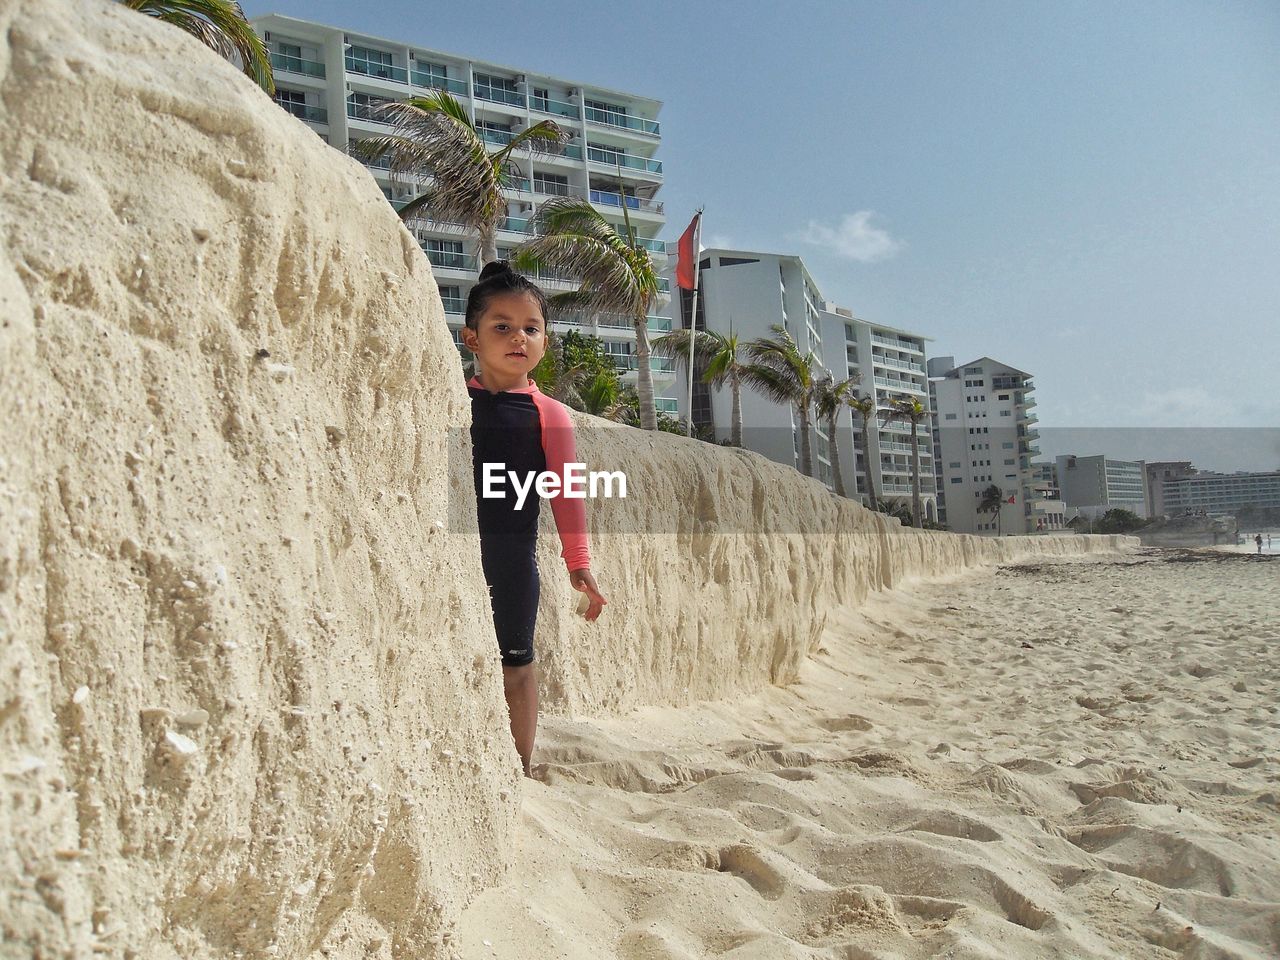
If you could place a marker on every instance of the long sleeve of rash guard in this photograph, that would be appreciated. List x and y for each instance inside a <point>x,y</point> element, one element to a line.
<point>570,512</point>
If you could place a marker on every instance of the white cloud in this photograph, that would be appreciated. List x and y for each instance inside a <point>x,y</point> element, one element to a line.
<point>853,239</point>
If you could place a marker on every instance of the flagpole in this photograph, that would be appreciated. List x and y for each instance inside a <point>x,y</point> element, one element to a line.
<point>693,317</point>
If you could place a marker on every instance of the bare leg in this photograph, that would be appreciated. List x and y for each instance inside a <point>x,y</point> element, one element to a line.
<point>520,684</point>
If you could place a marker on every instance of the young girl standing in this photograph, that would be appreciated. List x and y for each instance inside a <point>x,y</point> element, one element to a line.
<point>516,425</point>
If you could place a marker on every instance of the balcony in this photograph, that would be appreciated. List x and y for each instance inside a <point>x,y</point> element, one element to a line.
<point>629,362</point>
<point>516,225</point>
<point>554,188</point>
<point>500,137</point>
<point>382,71</point>
<point>456,305</point>
<point>659,324</point>
<point>608,199</point>
<point>625,121</point>
<point>304,112</point>
<point>308,68</point>
<point>499,95</point>
<point>897,364</point>
<point>364,111</point>
<point>896,343</point>
<point>450,260</point>
<point>653,246</point>
<point>664,285</point>
<point>903,385</point>
<point>613,159</point>
<point>436,82</point>
<point>556,108</point>
<point>895,447</point>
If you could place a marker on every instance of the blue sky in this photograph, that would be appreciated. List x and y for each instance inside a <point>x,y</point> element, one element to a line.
<point>1088,191</point>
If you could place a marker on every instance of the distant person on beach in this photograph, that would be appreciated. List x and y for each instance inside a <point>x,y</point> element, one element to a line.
<point>527,433</point>
<point>1257,538</point>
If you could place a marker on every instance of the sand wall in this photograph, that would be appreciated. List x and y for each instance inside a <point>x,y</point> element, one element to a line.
<point>249,701</point>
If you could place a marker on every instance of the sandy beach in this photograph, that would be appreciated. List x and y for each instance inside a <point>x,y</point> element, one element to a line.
<point>1063,758</point>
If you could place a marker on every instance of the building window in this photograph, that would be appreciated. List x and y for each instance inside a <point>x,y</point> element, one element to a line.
<point>1006,413</point>
<point>553,184</point>
<point>950,416</point>
<point>1006,446</point>
<point>372,63</point>
<point>956,479</point>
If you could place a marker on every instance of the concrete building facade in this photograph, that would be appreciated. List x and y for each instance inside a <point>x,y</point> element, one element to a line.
<point>1160,472</point>
<point>890,362</point>
<point>984,436</point>
<point>1220,494</point>
<point>1095,484</point>
<point>333,80</point>
<point>746,292</point>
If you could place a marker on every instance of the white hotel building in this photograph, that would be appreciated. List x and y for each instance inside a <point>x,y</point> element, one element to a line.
<point>332,79</point>
<point>746,292</point>
<point>985,435</point>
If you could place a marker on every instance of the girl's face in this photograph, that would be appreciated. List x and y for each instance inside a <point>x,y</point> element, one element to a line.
<point>510,336</point>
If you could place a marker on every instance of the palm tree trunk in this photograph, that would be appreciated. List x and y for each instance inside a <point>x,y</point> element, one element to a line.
<point>644,385</point>
<point>806,445</point>
<point>915,478</point>
<point>835,454</point>
<point>735,428</point>
<point>866,462</point>
<point>488,247</point>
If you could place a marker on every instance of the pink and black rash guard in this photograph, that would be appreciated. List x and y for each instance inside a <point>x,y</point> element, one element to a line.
<point>528,432</point>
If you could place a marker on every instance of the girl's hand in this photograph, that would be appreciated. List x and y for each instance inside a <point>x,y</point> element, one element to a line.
<point>583,581</point>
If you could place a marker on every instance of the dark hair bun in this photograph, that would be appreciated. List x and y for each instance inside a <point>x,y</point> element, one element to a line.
<point>495,267</point>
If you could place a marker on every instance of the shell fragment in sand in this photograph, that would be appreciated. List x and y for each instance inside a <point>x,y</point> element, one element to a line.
<point>182,746</point>
<point>193,718</point>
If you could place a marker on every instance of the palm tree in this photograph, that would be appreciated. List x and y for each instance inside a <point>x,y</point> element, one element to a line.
<point>556,377</point>
<point>784,376</point>
<point>865,406</point>
<point>717,354</point>
<point>434,136</point>
<point>911,410</point>
<point>219,25</point>
<point>830,400</point>
<point>616,275</point>
<point>993,502</point>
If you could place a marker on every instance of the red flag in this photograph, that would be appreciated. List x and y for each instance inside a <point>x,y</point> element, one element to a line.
<point>1013,498</point>
<point>686,254</point>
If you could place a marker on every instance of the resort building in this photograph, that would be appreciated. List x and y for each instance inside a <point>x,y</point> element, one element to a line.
<point>1160,472</point>
<point>1218,494</point>
<point>1047,501</point>
<point>1093,485</point>
<point>890,362</point>
<point>746,292</point>
<point>984,436</point>
<point>334,79</point>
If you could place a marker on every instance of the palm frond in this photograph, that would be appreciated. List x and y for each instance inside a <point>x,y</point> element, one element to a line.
<point>219,25</point>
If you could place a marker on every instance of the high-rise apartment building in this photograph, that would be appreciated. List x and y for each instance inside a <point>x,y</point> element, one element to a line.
<point>891,363</point>
<point>985,436</point>
<point>746,292</point>
<point>333,80</point>
<point>1093,485</point>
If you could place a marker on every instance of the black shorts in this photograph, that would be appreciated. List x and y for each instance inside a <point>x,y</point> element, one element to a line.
<point>511,571</point>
